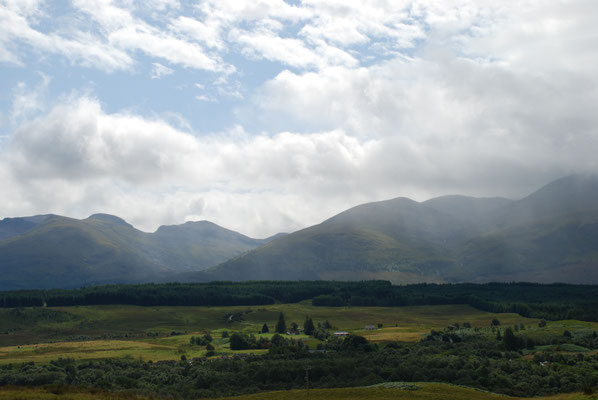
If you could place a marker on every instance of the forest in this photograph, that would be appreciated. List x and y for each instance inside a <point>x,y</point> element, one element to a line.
<point>548,301</point>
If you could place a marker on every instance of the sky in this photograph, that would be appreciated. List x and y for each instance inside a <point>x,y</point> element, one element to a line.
<point>269,116</point>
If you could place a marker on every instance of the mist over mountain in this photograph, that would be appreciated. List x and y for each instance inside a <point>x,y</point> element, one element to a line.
<point>550,235</point>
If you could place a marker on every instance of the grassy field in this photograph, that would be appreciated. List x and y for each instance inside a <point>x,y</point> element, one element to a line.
<point>425,391</point>
<point>163,333</point>
<point>20,393</point>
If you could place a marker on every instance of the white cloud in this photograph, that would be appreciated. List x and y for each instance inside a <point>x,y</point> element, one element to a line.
<point>207,33</point>
<point>160,70</point>
<point>87,160</point>
<point>205,98</point>
<point>27,101</point>
<point>125,31</point>
<point>82,48</point>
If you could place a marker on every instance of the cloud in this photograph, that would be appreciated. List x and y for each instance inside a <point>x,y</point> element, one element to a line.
<point>409,98</point>
<point>160,70</point>
<point>108,41</point>
<point>87,160</point>
<point>81,48</point>
<point>26,101</point>
<point>125,31</point>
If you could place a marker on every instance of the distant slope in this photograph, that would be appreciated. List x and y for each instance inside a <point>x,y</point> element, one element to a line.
<point>397,239</point>
<point>551,235</point>
<point>200,244</point>
<point>65,252</point>
<point>478,214</point>
<point>10,227</point>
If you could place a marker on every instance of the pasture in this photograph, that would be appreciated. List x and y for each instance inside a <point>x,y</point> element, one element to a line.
<point>163,333</point>
<point>425,391</point>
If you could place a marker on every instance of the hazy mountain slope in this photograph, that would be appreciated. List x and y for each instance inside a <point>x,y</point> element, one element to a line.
<point>477,214</point>
<point>398,239</point>
<point>552,250</point>
<point>551,235</point>
<point>200,244</point>
<point>568,195</point>
<point>10,227</point>
<point>66,252</point>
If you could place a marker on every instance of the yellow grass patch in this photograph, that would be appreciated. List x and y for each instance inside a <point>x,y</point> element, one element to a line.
<point>401,334</point>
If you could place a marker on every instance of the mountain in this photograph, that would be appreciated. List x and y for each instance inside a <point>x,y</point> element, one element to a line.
<point>478,214</point>
<point>550,235</point>
<point>10,227</point>
<point>399,239</point>
<point>53,251</point>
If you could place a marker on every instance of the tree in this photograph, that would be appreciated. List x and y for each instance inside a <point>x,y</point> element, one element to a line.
<point>511,341</point>
<point>265,328</point>
<point>498,335</point>
<point>542,323</point>
<point>495,322</point>
<point>308,326</point>
<point>281,325</point>
<point>210,347</point>
<point>238,342</point>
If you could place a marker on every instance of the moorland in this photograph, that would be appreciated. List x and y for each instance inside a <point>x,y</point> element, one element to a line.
<point>348,344</point>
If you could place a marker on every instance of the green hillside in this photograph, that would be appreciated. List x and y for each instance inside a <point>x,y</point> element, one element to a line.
<point>397,239</point>
<point>66,252</point>
<point>548,236</point>
<point>387,391</point>
<point>551,235</point>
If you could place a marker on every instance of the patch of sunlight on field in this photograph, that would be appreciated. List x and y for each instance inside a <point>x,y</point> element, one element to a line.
<point>60,393</point>
<point>393,334</point>
<point>93,349</point>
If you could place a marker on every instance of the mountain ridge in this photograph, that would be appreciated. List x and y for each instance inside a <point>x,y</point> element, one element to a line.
<point>445,239</point>
<point>550,235</point>
<point>55,251</point>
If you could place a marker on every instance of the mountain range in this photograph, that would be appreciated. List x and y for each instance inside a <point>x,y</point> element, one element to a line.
<point>49,251</point>
<point>549,236</point>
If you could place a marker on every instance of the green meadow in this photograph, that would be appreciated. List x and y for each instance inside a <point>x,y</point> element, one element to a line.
<point>423,391</point>
<point>164,333</point>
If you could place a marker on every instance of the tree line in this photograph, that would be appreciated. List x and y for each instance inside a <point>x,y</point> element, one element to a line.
<point>552,301</point>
